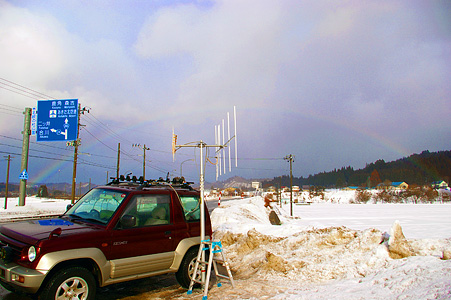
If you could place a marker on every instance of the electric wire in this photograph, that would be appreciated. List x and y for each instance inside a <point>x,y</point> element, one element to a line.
<point>27,92</point>
<point>31,93</point>
<point>95,122</point>
<point>18,109</point>
<point>23,94</point>
<point>10,110</point>
<point>11,114</point>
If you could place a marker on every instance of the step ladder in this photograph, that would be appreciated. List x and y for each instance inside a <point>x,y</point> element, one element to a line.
<point>216,256</point>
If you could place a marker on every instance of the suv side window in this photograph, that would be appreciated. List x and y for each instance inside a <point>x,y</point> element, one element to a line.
<point>150,209</point>
<point>191,207</point>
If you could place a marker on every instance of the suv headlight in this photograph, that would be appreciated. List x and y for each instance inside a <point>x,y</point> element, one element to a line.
<point>31,253</point>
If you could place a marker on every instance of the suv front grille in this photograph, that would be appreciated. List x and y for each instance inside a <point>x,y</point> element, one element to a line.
<point>9,252</point>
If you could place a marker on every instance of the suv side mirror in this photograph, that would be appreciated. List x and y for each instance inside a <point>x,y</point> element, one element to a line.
<point>128,221</point>
<point>69,206</point>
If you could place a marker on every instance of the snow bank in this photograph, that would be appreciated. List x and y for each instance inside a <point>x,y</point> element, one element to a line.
<point>315,259</point>
<point>34,206</point>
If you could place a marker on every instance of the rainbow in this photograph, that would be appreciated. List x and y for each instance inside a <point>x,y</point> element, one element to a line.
<point>51,169</point>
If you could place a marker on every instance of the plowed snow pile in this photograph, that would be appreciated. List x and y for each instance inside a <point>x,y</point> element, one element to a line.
<point>294,262</point>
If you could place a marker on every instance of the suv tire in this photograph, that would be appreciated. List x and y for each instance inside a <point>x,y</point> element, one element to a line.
<point>186,268</point>
<point>70,283</point>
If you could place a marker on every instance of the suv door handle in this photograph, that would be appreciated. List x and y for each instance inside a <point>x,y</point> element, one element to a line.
<point>167,233</point>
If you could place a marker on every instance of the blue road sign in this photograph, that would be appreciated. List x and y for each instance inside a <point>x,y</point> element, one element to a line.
<point>34,121</point>
<point>23,175</point>
<point>57,120</point>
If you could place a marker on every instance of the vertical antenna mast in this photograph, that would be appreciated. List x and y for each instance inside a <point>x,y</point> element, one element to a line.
<point>234,137</point>
<point>228,130</point>
<point>216,150</point>
<point>219,150</point>
<point>218,156</point>
<point>223,143</point>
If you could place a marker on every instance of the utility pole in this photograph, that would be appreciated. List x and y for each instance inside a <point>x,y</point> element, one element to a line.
<point>7,182</point>
<point>144,148</point>
<point>25,149</point>
<point>118,160</point>
<point>290,158</point>
<point>144,161</point>
<point>76,143</point>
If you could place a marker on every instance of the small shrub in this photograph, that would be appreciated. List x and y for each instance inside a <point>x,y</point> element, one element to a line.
<point>362,196</point>
<point>43,191</point>
<point>385,196</point>
<point>430,195</point>
<point>316,191</point>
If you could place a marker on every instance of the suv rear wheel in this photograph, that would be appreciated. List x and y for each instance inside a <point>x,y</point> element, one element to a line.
<point>70,283</point>
<point>186,269</point>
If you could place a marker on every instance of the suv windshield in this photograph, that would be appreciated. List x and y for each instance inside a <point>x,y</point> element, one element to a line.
<point>97,205</point>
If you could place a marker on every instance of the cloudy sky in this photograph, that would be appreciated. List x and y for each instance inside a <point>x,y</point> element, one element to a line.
<point>335,83</point>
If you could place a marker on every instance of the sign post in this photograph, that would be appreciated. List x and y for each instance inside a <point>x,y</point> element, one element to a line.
<point>24,161</point>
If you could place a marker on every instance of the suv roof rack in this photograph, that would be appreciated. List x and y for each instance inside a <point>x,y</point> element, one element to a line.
<point>141,183</point>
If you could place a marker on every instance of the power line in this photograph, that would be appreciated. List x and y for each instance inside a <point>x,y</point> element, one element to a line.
<point>107,129</point>
<point>20,89</point>
<point>41,151</point>
<point>52,153</point>
<point>90,119</point>
<point>114,150</point>
<point>11,114</point>
<point>27,92</point>
<point>35,156</point>
<point>10,110</point>
<point>261,158</point>
<point>32,97</point>
<point>13,107</point>
<point>40,144</point>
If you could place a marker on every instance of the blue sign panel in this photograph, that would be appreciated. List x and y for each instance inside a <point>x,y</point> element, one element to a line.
<point>57,120</point>
<point>23,175</point>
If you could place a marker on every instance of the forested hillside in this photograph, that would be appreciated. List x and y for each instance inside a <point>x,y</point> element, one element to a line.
<point>417,169</point>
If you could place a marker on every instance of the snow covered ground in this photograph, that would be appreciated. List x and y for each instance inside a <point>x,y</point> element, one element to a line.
<point>325,250</point>
<point>338,251</point>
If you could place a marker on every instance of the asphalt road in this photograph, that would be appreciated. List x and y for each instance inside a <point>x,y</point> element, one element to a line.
<point>163,286</point>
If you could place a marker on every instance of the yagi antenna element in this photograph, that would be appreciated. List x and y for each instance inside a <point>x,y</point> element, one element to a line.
<point>221,154</point>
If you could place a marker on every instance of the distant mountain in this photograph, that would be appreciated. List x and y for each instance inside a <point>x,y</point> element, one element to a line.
<point>54,189</point>
<point>417,169</point>
<point>233,182</point>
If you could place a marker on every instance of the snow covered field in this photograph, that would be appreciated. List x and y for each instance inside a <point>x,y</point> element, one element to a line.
<point>325,251</point>
<point>334,251</point>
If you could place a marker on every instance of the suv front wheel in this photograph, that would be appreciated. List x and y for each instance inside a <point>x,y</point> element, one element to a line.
<point>70,283</point>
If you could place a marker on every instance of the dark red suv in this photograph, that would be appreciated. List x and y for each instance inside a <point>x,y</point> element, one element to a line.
<point>123,231</point>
